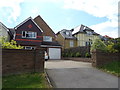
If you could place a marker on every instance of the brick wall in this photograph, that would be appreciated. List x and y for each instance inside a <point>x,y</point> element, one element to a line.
<point>19,61</point>
<point>78,59</point>
<point>100,58</point>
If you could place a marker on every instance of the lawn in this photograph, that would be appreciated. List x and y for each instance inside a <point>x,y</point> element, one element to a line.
<point>33,80</point>
<point>112,67</point>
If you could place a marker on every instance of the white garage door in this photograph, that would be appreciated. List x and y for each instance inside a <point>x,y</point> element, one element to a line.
<point>54,53</point>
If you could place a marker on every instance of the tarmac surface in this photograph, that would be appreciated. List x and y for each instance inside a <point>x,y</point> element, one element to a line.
<point>73,74</point>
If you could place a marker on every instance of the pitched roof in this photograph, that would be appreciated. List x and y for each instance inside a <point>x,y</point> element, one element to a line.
<point>83,29</point>
<point>30,18</point>
<point>67,34</point>
<point>46,29</point>
<point>53,43</point>
<point>11,32</point>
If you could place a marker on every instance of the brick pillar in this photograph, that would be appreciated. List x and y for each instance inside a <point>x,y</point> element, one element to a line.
<point>39,60</point>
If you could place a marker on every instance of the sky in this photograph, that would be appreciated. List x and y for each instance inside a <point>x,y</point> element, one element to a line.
<point>99,15</point>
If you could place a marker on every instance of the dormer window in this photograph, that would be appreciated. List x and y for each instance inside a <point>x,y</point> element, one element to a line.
<point>68,33</point>
<point>47,38</point>
<point>89,33</point>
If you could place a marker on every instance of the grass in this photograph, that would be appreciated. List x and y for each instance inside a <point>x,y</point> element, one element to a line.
<point>33,80</point>
<point>112,67</point>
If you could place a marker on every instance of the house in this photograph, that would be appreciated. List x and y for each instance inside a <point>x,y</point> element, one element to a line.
<point>4,32</point>
<point>28,34</point>
<point>85,35</point>
<point>65,38</point>
<point>49,43</point>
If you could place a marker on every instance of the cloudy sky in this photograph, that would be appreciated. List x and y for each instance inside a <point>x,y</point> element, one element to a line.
<point>100,15</point>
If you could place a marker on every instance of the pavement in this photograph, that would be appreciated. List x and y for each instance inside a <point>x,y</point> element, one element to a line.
<point>73,74</point>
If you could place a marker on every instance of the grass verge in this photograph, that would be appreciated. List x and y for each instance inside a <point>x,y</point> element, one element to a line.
<point>112,67</point>
<point>33,80</point>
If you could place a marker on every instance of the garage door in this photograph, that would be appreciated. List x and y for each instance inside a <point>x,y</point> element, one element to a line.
<point>54,53</point>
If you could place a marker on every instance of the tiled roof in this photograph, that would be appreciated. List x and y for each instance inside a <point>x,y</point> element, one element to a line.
<point>53,43</point>
<point>83,29</point>
<point>67,34</point>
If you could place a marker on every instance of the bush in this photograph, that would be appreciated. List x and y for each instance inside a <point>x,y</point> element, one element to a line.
<point>87,55</point>
<point>117,45</point>
<point>10,45</point>
<point>110,47</point>
<point>100,45</point>
<point>78,54</point>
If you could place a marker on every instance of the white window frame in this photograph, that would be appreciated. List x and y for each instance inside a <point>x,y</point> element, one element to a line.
<point>29,32</point>
<point>71,43</point>
<point>50,38</point>
<point>29,48</point>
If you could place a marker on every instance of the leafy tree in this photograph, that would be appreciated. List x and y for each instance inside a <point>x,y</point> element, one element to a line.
<point>100,45</point>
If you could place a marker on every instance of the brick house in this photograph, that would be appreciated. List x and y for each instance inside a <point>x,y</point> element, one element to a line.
<point>35,33</point>
<point>66,39</point>
<point>52,47</point>
<point>28,34</point>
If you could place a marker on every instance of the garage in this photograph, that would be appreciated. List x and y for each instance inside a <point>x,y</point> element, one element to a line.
<point>54,53</point>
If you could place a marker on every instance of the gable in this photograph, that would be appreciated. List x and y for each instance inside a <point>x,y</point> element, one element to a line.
<point>29,21</point>
<point>47,31</point>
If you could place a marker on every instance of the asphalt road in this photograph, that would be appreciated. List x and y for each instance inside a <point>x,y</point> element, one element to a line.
<point>73,74</point>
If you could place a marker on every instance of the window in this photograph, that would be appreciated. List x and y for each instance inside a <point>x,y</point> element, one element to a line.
<point>89,33</point>
<point>28,34</point>
<point>29,48</point>
<point>47,38</point>
<point>67,33</point>
<point>71,43</point>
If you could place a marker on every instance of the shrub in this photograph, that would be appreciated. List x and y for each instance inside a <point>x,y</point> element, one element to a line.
<point>117,45</point>
<point>110,47</point>
<point>78,54</point>
<point>100,45</point>
<point>10,45</point>
<point>87,55</point>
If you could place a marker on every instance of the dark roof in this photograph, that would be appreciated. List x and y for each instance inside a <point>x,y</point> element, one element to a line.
<point>53,43</point>
<point>11,32</point>
<point>67,36</point>
<point>84,29</point>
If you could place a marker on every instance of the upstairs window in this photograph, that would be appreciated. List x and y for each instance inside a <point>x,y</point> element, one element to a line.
<point>28,34</point>
<point>89,33</point>
<point>71,43</point>
<point>47,38</point>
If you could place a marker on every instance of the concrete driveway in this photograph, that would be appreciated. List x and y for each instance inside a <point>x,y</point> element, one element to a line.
<point>73,74</point>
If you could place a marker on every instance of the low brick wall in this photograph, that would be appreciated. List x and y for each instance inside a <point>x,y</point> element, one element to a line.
<point>100,58</point>
<point>19,61</point>
<point>78,59</point>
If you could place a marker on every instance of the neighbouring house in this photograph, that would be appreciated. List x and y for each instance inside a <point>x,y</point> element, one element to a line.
<point>28,34</point>
<point>51,46</point>
<point>85,35</point>
<point>4,32</point>
<point>66,39</point>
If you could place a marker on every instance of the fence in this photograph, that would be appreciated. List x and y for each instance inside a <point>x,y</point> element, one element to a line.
<point>18,61</point>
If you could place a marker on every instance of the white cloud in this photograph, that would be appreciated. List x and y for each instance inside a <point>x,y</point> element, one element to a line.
<point>14,8</point>
<point>98,8</point>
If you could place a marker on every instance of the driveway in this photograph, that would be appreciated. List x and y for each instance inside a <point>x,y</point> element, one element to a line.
<point>73,74</point>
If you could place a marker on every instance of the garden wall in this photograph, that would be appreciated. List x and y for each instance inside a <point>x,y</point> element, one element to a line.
<point>82,50</point>
<point>100,58</point>
<point>18,61</point>
<point>78,59</point>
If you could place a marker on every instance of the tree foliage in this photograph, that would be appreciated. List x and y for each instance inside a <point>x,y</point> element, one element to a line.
<point>100,45</point>
<point>9,45</point>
